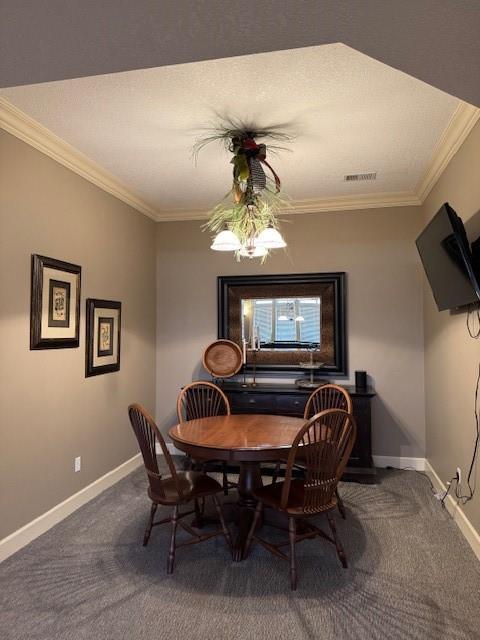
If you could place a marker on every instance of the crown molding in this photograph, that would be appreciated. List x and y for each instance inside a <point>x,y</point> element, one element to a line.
<point>17,123</point>
<point>461,123</point>
<point>313,205</point>
<point>350,203</point>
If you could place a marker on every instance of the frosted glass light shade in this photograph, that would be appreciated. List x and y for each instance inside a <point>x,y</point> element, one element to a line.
<point>225,241</point>
<point>270,238</point>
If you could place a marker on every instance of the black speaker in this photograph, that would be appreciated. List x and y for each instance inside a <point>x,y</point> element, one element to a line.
<point>361,380</point>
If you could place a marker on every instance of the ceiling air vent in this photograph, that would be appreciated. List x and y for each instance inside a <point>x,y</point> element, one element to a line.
<point>360,177</point>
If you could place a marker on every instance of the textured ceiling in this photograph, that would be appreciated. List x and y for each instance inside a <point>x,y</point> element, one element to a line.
<point>349,113</point>
<point>434,40</point>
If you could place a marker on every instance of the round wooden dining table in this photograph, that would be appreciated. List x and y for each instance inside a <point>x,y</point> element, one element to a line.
<point>245,439</point>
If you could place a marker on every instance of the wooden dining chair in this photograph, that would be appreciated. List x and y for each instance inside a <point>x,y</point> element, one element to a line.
<point>327,396</point>
<point>323,446</point>
<point>203,399</point>
<point>179,488</point>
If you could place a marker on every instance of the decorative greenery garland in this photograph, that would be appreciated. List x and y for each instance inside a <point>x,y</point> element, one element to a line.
<point>257,199</point>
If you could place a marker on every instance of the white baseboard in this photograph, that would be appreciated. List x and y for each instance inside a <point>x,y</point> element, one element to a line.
<point>454,509</point>
<point>399,462</point>
<point>171,448</point>
<point>43,523</point>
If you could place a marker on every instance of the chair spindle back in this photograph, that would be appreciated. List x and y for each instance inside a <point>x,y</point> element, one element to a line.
<point>201,399</point>
<point>328,396</point>
<point>148,434</point>
<point>323,445</point>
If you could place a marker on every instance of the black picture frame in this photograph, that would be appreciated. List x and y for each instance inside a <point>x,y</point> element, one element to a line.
<point>93,348</point>
<point>335,280</point>
<point>54,317</point>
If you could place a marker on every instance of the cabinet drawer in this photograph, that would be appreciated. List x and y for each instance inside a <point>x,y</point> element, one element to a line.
<point>260,402</point>
<point>290,404</point>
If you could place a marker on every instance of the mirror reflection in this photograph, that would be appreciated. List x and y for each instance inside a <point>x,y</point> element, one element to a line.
<point>282,323</point>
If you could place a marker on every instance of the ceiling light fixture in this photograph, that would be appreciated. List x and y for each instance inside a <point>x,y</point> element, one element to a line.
<point>248,225</point>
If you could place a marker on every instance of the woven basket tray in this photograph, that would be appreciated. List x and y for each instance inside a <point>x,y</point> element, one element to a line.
<point>223,358</point>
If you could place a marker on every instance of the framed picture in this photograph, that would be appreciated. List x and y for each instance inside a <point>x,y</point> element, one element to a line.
<point>55,304</point>
<point>103,336</point>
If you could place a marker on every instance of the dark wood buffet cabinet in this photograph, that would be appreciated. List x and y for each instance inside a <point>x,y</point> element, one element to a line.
<point>289,400</point>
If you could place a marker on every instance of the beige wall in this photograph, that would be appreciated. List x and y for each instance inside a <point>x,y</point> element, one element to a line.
<point>451,356</point>
<point>49,411</point>
<point>376,249</point>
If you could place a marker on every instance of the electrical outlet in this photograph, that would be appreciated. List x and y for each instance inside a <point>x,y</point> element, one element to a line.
<point>459,476</point>
<point>77,464</point>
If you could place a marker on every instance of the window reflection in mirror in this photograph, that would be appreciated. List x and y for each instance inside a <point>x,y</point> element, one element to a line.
<point>283,323</point>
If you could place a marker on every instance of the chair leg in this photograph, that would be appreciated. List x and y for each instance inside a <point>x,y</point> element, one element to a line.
<point>276,473</point>
<point>338,544</point>
<point>292,534</point>
<point>255,521</point>
<point>340,505</point>
<point>171,554</point>
<point>148,530</point>
<point>224,479</point>
<point>225,529</point>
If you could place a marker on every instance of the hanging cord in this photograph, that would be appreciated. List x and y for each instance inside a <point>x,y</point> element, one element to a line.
<point>473,328</point>
<point>471,488</point>
<point>471,483</point>
<point>473,318</point>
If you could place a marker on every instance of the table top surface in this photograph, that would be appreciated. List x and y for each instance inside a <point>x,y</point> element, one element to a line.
<point>240,432</point>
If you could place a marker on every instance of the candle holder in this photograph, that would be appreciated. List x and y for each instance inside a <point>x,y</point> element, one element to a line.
<point>254,363</point>
<point>244,383</point>
<point>244,352</point>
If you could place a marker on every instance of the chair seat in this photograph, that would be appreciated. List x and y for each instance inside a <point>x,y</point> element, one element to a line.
<point>271,495</point>
<point>193,484</point>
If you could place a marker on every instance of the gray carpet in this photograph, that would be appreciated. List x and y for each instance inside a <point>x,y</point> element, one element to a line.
<point>411,576</point>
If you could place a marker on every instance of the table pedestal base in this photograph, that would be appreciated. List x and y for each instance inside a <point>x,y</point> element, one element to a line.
<point>250,478</point>
<point>241,512</point>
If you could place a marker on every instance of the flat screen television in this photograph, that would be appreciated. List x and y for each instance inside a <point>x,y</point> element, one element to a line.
<point>447,259</point>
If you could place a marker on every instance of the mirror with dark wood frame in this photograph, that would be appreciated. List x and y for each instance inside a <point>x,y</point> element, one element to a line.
<point>292,318</point>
